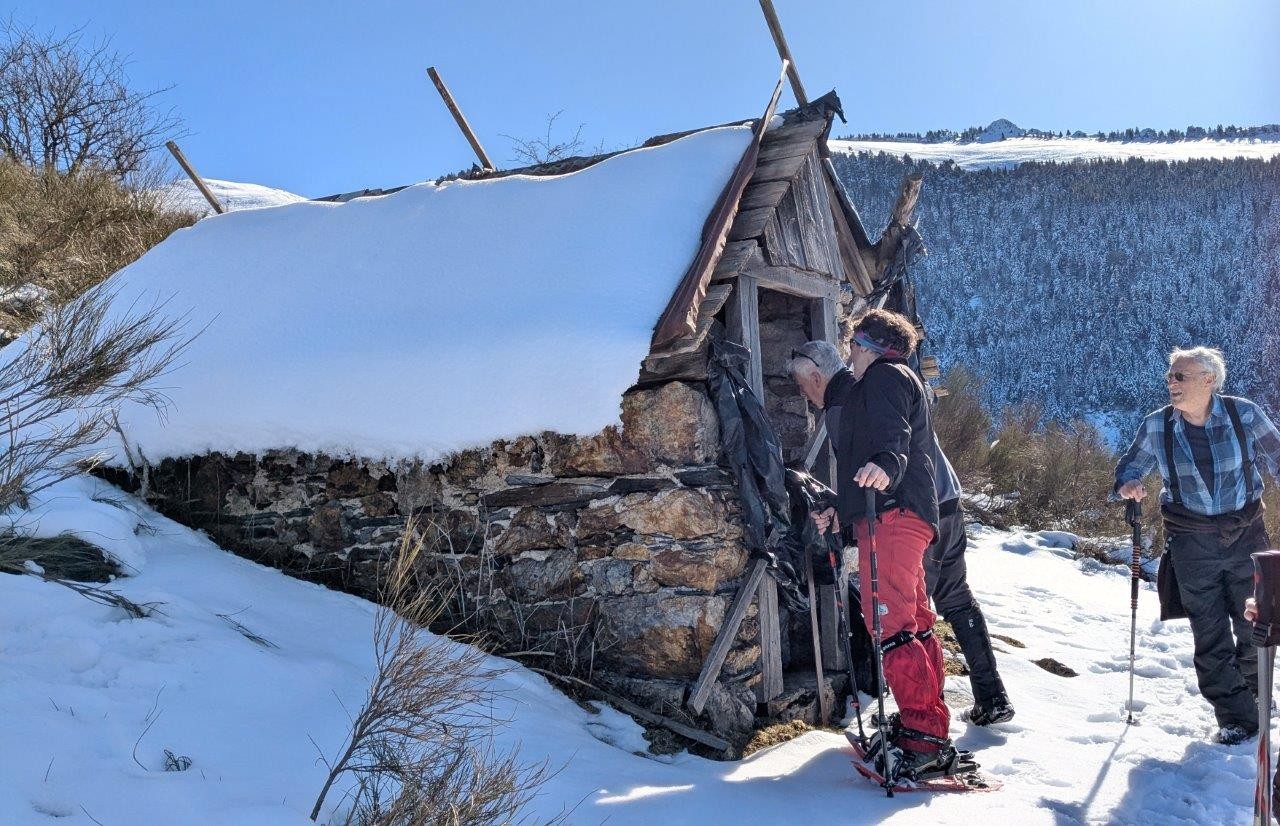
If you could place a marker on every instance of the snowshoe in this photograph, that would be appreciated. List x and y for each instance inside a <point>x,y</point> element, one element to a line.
<point>995,711</point>
<point>928,770</point>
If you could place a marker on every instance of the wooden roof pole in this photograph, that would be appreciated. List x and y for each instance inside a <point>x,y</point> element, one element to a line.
<point>784,52</point>
<point>195,178</point>
<point>460,118</point>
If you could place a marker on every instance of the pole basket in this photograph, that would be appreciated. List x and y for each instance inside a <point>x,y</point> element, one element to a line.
<point>1266,593</point>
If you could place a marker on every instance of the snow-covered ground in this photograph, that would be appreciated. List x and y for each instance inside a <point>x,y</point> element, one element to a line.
<point>1013,151</point>
<point>92,700</point>
<point>183,195</point>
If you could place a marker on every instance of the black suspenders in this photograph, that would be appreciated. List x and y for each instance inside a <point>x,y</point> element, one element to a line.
<point>1174,484</point>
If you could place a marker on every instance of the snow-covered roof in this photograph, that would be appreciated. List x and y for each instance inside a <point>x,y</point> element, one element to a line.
<point>432,319</point>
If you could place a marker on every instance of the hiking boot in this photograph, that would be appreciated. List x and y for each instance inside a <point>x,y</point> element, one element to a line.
<point>923,765</point>
<point>997,710</point>
<point>1232,734</point>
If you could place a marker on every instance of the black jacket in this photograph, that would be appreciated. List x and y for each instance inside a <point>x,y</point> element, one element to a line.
<point>884,418</point>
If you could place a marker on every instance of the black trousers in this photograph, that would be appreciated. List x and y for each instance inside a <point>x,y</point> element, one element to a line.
<point>947,580</point>
<point>1214,579</point>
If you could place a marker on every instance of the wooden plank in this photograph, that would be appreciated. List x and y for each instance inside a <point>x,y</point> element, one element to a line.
<point>749,223</point>
<point>790,131</point>
<point>770,641</point>
<point>824,707</point>
<point>761,195</point>
<point>679,318</point>
<point>695,734</point>
<point>784,51</point>
<point>821,248</point>
<point>794,281</point>
<point>691,366</point>
<point>743,317</point>
<point>783,169</point>
<point>851,260</point>
<point>824,325</point>
<point>717,295</point>
<point>459,118</point>
<point>724,640</point>
<point>813,240</point>
<point>194,176</point>
<point>781,237</point>
<point>829,625</point>
<point>737,256</point>
<point>788,148</point>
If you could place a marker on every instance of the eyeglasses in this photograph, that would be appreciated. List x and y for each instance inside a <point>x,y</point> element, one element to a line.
<point>798,354</point>
<point>1179,376</point>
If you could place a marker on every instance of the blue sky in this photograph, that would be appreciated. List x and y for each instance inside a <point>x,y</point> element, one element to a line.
<point>321,97</point>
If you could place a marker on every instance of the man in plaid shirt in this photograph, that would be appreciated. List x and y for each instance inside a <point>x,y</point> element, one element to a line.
<point>1208,448</point>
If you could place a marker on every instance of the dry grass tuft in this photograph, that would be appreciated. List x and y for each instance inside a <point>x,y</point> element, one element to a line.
<point>62,557</point>
<point>775,734</point>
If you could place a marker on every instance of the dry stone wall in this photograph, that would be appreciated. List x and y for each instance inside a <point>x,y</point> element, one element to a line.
<point>618,553</point>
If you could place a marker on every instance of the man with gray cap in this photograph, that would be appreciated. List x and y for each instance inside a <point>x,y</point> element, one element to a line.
<point>813,367</point>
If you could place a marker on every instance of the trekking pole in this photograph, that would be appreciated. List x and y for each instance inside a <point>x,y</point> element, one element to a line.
<point>1133,515</point>
<point>1266,634</point>
<point>878,635</point>
<point>833,542</point>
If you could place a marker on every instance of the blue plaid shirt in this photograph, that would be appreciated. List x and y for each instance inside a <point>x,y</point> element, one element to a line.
<point>1224,493</point>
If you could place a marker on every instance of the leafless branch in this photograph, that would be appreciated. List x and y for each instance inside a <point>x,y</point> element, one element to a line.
<point>420,748</point>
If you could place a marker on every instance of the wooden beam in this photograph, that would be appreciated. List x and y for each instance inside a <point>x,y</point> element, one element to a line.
<point>459,118</point>
<point>908,197</point>
<point>767,194</point>
<point>724,640</point>
<point>744,328</point>
<point>770,640</point>
<point>824,707</point>
<point>792,281</point>
<point>823,326</point>
<point>784,51</point>
<point>695,734</point>
<point>194,176</point>
<point>829,621</point>
<point>680,316</point>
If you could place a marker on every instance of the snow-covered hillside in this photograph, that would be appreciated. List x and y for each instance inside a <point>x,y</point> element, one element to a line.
<point>183,195</point>
<point>1004,145</point>
<point>93,699</point>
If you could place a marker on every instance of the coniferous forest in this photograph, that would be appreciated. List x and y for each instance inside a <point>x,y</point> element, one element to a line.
<point>1067,284</point>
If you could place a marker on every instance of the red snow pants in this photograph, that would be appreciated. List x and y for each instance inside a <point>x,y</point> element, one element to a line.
<point>913,670</point>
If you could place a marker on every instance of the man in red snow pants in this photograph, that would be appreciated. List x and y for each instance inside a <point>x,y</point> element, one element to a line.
<point>883,439</point>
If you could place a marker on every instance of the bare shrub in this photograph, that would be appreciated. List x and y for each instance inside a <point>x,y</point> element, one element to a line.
<point>66,105</point>
<point>962,422</point>
<point>533,151</point>
<point>1061,473</point>
<point>419,748</point>
<point>62,385</point>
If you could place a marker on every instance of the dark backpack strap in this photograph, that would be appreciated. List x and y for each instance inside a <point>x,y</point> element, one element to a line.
<point>1246,460</point>
<point>1175,488</point>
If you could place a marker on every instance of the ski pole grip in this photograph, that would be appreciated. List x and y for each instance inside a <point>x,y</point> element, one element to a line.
<point>1266,593</point>
<point>869,494</point>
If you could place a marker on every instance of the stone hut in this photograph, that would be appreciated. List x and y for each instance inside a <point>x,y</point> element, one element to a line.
<point>616,555</point>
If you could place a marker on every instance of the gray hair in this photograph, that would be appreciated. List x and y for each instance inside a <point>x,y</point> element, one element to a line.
<point>1209,358</point>
<point>820,354</point>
